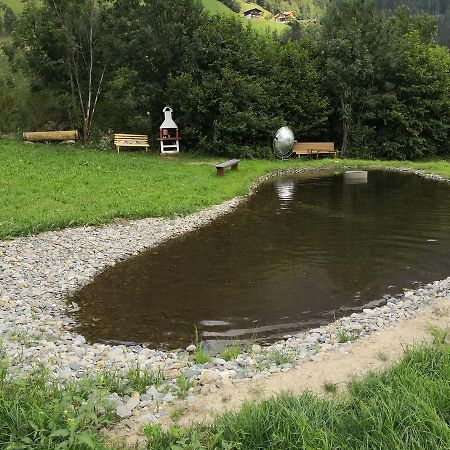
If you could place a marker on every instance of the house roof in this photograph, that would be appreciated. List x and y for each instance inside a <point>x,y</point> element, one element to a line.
<point>253,11</point>
<point>286,15</point>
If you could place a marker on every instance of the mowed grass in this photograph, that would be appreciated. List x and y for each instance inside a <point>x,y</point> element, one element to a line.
<point>407,407</point>
<point>48,187</point>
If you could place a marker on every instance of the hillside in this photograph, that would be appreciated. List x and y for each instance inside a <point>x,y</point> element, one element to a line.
<point>263,25</point>
<point>216,7</point>
<point>15,5</point>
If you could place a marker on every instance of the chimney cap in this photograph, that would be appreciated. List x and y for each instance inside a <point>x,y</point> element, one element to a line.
<point>168,121</point>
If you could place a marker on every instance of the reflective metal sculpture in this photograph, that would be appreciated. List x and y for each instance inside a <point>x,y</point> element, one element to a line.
<point>283,142</point>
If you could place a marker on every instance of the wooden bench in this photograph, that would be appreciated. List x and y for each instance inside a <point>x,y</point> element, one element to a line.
<point>314,148</point>
<point>130,140</point>
<point>233,163</point>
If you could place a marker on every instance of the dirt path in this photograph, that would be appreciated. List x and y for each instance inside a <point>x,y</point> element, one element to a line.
<point>375,352</point>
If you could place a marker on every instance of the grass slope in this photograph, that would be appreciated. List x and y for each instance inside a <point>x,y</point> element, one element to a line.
<point>407,407</point>
<point>216,7</point>
<point>16,5</point>
<point>47,187</point>
<point>261,25</point>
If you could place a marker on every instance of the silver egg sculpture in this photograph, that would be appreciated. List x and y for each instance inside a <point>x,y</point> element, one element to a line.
<point>283,142</point>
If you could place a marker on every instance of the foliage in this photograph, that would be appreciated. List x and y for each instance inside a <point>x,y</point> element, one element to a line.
<point>405,407</point>
<point>343,336</point>
<point>388,81</point>
<point>330,388</point>
<point>9,19</point>
<point>62,45</point>
<point>144,56</point>
<point>22,110</point>
<point>433,7</point>
<point>306,9</point>
<point>183,385</point>
<point>135,379</point>
<point>230,352</point>
<point>237,88</point>
<point>280,358</point>
<point>375,82</point>
<point>36,414</point>
<point>201,355</point>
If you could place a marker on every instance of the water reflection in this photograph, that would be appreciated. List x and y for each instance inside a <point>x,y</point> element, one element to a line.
<point>285,189</point>
<point>277,264</point>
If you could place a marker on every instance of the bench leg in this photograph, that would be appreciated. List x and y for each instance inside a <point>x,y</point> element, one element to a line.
<point>118,148</point>
<point>220,171</point>
<point>235,167</point>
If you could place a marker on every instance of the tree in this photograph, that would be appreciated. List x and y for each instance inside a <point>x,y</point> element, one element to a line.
<point>388,81</point>
<point>349,34</point>
<point>9,19</point>
<point>412,108</point>
<point>238,87</point>
<point>63,46</point>
<point>149,44</point>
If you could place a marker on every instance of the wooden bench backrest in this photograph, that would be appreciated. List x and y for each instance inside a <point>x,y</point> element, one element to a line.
<point>307,147</point>
<point>131,137</point>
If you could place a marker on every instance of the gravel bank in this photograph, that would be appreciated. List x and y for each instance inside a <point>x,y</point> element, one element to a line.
<point>38,272</point>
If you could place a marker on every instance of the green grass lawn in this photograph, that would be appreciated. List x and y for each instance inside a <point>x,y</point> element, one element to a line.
<point>48,187</point>
<point>407,407</point>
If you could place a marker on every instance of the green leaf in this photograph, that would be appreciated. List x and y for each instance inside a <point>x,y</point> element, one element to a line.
<point>85,438</point>
<point>60,433</point>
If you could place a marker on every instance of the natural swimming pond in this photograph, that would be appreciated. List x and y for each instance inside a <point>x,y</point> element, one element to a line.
<point>300,252</point>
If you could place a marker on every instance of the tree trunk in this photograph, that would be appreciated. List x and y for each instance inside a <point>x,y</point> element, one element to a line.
<point>346,111</point>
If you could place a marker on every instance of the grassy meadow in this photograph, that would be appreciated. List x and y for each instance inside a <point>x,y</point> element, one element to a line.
<point>48,187</point>
<point>262,25</point>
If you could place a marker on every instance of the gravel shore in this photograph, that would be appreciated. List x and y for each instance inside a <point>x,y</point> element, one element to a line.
<point>38,273</point>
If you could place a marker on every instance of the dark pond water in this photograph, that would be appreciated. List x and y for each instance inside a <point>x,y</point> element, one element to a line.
<point>299,253</point>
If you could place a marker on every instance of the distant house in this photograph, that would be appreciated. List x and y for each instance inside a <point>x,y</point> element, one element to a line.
<point>254,13</point>
<point>286,16</point>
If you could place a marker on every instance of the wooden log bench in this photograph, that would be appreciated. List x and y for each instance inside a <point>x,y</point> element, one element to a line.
<point>314,149</point>
<point>233,163</point>
<point>131,140</point>
<point>43,136</point>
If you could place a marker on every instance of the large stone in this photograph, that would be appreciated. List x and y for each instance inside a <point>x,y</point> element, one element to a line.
<point>208,376</point>
<point>192,372</point>
<point>134,401</point>
<point>123,411</point>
